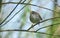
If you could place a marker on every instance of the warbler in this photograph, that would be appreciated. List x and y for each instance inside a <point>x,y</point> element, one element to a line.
<point>35,17</point>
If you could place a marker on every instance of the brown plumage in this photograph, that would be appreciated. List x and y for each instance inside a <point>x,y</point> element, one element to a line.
<point>35,17</point>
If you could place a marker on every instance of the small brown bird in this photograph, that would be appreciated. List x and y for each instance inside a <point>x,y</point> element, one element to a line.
<point>35,17</point>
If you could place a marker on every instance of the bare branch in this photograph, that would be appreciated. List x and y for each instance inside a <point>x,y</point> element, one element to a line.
<point>32,5</point>
<point>28,31</point>
<point>14,15</point>
<point>10,13</point>
<point>42,22</point>
<point>48,26</point>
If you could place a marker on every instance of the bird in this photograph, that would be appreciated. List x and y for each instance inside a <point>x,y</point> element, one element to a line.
<point>35,17</point>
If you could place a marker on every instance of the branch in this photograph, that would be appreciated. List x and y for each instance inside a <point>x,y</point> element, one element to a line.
<point>28,31</point>
<point>14,15</point>
<point>47,26</point>
<point>31,4</point>
<point>36,6</point>
<point>42,22</point>
<point>10,13</point>
<point>43,8</point>
<point>20,3</point>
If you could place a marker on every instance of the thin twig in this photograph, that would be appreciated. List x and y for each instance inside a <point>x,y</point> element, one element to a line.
<point>42,21</point>
<point>39,7</point>
<point>10,13</point>
<point>23,3</point>
<point>36,6</point>
<point>14,15</point>
<point>47,26</point>
<point>28,31</point>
